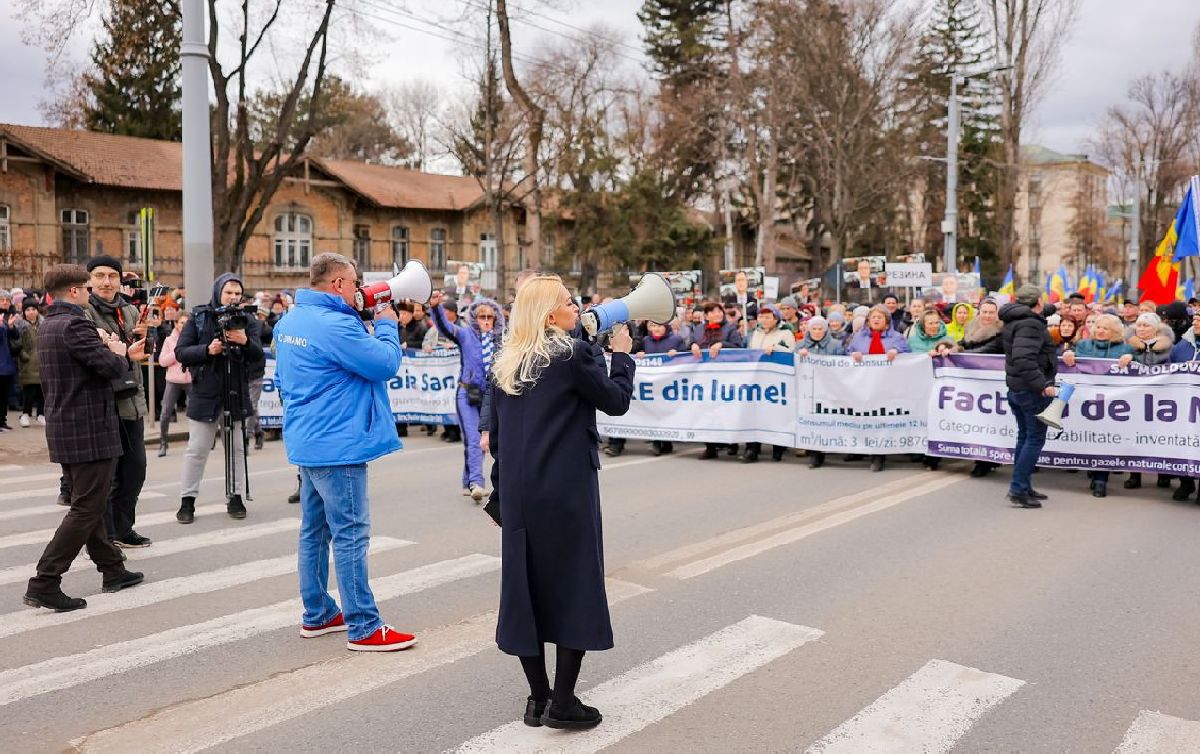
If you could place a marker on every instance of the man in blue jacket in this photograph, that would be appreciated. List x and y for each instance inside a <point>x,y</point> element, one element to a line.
<point>332,374</point>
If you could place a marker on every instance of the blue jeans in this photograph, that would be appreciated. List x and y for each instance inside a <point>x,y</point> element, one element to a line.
<point>1031,437</point>
<point>333,503</point>
<point>468,421</point>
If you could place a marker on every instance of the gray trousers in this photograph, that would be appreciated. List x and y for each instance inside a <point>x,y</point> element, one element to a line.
<point>200,442</point>
<point>255,394</point>
<point>170,404</point>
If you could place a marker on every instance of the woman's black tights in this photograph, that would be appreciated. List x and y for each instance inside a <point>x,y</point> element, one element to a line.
<point>566,673</point>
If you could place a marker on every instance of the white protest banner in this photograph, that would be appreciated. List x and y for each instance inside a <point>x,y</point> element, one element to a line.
<point>1131,418</point>
<point>741,396</point>
<point>909,275</point>
<point>877,407</point>
<point>422,392</point>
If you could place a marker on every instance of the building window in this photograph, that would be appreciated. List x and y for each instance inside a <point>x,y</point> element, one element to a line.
<point>293,240</point>
<point>362,246</point>
<point>133,239</point>
<point>399,245</point>
<point>437,249</point>
<point>5,228</point>
<point>487,250</point>
<point>76,238</point>
<point>576,266</point>
<point>548,251</point>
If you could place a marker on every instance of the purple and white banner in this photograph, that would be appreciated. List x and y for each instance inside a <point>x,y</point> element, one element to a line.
<point>1131,418</point>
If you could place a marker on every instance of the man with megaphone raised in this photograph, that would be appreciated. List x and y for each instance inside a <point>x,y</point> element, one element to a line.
<point>1030,366</point>
<point>332,374</point>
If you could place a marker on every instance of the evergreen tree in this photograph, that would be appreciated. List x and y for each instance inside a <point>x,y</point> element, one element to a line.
<point>955,41</point>
<point>134,86</point>
<point>471,148</point>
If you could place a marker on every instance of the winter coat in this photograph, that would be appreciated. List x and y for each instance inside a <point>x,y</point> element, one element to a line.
<point>1157,351</point>
<point>727,335</point>
<point>119,318</point>
<point>1093,348</point>
<point>983,338</point>
<point>1186,349</point>
<point>469,340</point>
<point>827,346</point>
<point>668,342</point>
<point>208,372</point>
<point>175,371</point>
<point>77,370</point>
<point>332,376</point>
<point>955,330</point>
<point>544,478</point>
<point>919,342</point>
<point>892,341</point>
<point>775,340</point>
<point>1030,356</point>
<point>412,335</point>
<point>10,342</point>
<point>27,361</point>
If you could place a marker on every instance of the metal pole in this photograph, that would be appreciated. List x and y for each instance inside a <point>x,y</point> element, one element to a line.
<point>197,160</point>
<point>950,224</point>
<point>1135,237</point>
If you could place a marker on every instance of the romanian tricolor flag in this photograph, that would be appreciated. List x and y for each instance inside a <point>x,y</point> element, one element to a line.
<point>1114,293</point>
<point>1057,284</point>
<point>1160,281</point>
<point>1008,287</point>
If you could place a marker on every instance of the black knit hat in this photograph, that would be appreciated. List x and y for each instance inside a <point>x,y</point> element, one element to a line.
<point>30,302</point>
<point>105,261</point>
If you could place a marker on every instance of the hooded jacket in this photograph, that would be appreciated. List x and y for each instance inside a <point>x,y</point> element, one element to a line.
<point>1030,356</point>
<point>919,342</point>
<point>981,337</point>
<point>955,330</point>
<point>332,376</point>
<point>1157,351</point>
<point>469,340</point>
<point>1186,349</point>
<point>208,371</point>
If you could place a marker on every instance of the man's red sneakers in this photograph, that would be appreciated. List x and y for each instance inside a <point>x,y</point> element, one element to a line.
<point>386,639</point>
<point>334,625</point>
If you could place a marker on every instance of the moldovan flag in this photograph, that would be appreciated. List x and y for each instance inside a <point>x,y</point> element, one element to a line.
<point>1008,287</point>
<point>1160,281</point>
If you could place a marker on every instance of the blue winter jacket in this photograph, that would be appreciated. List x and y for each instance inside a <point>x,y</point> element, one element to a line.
<point>1102,349</point>
<point>332,376</point>
<point>470,341</point>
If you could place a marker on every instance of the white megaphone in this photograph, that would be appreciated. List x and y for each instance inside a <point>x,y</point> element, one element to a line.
<point>413,282</point>
<point>1052,416</point>
<point>652,299</point>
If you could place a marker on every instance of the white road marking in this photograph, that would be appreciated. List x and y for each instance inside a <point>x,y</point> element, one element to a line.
<point>60,673</point>
<point>10,467</point>
<point>48,507</point>
<point>154,592</point>
<point>640,461</point>
<point>790,536</point>
<point>33,478</point>
<point>738,536</point>
<point>175,546</point>
<point>650,692</point>
<point>928,712</point>
<point>205,723</point>
<point>42,536</point>
<point>1156,733</point>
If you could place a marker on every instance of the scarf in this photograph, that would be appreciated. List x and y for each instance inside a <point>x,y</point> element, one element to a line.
<point>486,348</point>
<point>877,343</point>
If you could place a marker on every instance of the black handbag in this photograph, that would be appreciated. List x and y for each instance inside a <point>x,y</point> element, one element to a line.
<point>474,394</point>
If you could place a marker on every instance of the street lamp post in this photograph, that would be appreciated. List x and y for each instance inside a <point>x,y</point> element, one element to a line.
<point>197,161</point>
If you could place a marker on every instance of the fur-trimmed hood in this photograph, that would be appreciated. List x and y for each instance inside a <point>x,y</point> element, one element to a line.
<point>978,331</point>
<point>1164,341</point>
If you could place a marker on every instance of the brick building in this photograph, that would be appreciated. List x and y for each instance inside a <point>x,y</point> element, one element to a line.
<point>68,195</point>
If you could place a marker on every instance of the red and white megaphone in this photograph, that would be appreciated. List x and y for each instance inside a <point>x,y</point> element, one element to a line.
<point>413,283</point>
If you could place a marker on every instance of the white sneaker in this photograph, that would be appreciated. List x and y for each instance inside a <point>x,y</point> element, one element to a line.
<point>477,492</point>
<point>24,420</point>
<point>42,419</point>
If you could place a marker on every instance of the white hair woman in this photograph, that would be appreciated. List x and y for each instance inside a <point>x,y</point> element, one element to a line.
<point>548,388</point>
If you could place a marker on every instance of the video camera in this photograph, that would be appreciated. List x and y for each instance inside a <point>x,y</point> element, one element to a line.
<point>234,317</point>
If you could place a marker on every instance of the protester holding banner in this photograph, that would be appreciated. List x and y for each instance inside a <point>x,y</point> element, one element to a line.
<point>1030,367</point>
<point>960,316</point>
<point>984,333</point>
<point>715,334</point>
<point>769,337</point>
<point>1152,340</point>
<point>930,335</point>
<point>877,338</point>
<point>819,340</point>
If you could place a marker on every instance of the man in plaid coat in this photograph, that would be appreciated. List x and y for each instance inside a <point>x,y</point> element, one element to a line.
<point>82,434</point>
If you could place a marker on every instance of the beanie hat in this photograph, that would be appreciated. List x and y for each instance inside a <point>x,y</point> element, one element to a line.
<point>1176,310</point>
<point>1028,295</point>
<point>836,316</point>
<point>5,295</point>
<point>105,261</point>
<point>818,321</point>
<point>861,311</point>
<point>1149,318</point>
<point>789,301</point>
<point>30,302</point>
<point>773,309</point>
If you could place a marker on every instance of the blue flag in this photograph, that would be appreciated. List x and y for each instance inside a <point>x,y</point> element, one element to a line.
<point>1187,223</point>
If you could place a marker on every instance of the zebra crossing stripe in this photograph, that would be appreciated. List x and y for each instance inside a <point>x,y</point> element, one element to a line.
<point>42,536</point>
<point>645,695</point>
<point>1156,733</point>
<point>928,712</point>
<point>154,592</point>
<point>206,723</point>
<point>48,506</point>
<point>162,549</point>
<point>67,672</point>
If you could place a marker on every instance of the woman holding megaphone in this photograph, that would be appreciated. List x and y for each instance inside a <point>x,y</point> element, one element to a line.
<point>548,387</point>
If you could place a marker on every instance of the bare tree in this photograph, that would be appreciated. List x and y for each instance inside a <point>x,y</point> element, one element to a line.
<point>415,109</point>
<point>1028,37</point>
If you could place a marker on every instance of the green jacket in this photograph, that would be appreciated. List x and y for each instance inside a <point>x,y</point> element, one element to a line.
<point>27,360</point>
<point>105,318</point>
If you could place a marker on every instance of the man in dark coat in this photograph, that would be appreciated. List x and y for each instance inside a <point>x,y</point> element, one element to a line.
<point>82,433</point>
<point>546,487</point>
<point>1030,366</point>
<point>208,353</point>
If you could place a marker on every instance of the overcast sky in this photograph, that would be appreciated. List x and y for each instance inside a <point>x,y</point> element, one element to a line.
<point>1113,41</point>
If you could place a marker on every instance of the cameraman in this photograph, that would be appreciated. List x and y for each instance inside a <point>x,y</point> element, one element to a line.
<point>209,351</point>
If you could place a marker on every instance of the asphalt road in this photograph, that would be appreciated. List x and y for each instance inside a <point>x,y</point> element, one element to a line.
<point>756,608</point>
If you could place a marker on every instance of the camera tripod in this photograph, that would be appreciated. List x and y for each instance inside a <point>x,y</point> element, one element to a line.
<point>231,392</point>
